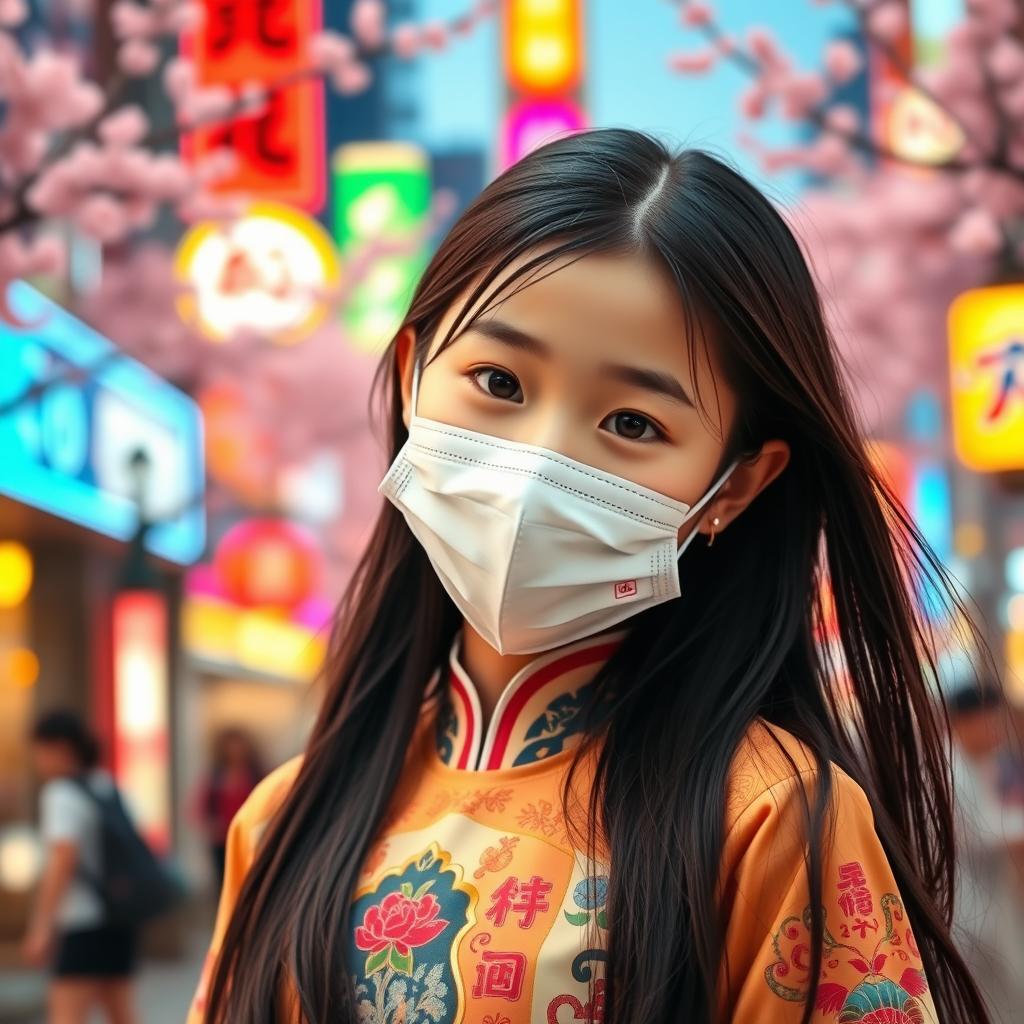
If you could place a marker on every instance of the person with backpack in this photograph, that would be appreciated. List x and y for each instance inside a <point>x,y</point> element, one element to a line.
<point>92,958</point>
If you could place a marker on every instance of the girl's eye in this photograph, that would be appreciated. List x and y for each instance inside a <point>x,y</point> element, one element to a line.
<point>633,426</point>
<point>498,383</point>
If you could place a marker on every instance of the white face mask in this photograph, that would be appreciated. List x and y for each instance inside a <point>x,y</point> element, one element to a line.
<point>535,549</point>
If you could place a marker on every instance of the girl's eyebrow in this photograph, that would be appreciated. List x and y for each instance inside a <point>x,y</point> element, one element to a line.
<point>655,381</point>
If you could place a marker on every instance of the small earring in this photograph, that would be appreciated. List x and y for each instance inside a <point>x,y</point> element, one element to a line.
<point>714,526</point>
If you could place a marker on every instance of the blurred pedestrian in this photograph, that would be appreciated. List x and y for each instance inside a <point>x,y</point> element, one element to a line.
<point>235,768</point>
<point>92,959</point>
<point>989,922</point>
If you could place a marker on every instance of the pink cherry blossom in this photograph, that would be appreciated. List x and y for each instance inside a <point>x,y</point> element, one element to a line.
<point>179,78</point>
<point>132,21</point>
<point>753,102</point>
<point>138,58</point>
<point>802,93</point>
<point>696,14</point>
<point>843,119</point>
<point>330,50</point>
<point>976,233</point>
<point>125,127</point>
<point>1006,59</point>
<point>842,61</point>
<point>435,34</point>
<point>405,40</point>
<point>102,217</point>
<point>351,78</point>
<point>695,63</point>
<point>888,21</point>
<point>183,17</point>
<point>368,23</point>
<point>765,49</point>
<point>12,12</point>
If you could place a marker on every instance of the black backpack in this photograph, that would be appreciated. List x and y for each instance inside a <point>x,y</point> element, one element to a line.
<point>132,883</point>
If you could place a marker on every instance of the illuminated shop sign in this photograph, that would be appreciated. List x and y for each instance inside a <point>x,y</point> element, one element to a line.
<point>267,272</point>
<point>986,353</point>
<point>141,728</point>
<point>67,450</point>
<point>381,194</point>
<point>544,64</point>
<point>280,150</point>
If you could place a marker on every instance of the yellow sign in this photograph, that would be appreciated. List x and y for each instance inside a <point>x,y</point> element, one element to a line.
<point>986,358</point>
<point>266,272</point>
<point>543,51</point>
<point>259,640</point>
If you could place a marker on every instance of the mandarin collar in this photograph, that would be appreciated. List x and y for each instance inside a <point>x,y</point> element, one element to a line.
<point>538,714</point>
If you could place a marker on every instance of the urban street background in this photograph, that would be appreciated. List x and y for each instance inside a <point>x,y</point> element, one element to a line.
<point>212,215</point>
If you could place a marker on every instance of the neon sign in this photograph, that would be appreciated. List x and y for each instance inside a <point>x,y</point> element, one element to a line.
<point>986,350</point>
<point>280,150</point>
<point>66,451</point>
<point>265,272</point>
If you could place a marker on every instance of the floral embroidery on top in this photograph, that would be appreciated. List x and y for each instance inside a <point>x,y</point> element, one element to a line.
<point>542,817</point>
<point>407,927</point>
<point>876,951</point>
<point>561,719</point>
<point>590,895</point>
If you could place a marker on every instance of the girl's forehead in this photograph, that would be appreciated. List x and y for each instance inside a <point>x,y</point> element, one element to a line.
<point>592,307</point>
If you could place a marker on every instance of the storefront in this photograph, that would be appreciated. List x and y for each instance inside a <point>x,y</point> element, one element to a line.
<point>88,439</point>
<point>246,670</point>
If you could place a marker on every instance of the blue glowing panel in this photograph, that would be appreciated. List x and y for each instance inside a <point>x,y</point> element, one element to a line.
<point>932,508</point>
<point>66,449</point>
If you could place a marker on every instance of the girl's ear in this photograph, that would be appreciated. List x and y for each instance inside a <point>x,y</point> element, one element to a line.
<point>405,348</point>
<point>748,480</point>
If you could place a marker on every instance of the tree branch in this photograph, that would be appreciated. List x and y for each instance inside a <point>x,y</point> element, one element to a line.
<point>23,214</point>
<point>860,140</point>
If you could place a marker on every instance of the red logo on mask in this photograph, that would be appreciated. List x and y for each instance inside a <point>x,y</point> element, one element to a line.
<point>627,588</point>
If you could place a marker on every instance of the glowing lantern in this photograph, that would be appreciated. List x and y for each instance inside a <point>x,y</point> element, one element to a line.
<point>22,668</point>
<point>21,858</point>
<point>15,574</point>
<point>543,51</point>
<point>268,562</point>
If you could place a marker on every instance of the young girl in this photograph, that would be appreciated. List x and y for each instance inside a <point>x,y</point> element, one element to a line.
<point>584,755</point>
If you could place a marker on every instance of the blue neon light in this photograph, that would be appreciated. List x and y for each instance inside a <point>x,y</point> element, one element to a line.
<point>65,452</point>
<point>932,508</point>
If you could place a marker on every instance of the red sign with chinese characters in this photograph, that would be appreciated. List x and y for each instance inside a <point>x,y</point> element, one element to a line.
<point>280,149</point>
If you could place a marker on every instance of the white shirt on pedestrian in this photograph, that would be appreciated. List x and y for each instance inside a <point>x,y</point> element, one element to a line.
<point>67,814</point>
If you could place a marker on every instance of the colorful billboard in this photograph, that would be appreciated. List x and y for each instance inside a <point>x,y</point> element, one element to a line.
<point>280,148</point>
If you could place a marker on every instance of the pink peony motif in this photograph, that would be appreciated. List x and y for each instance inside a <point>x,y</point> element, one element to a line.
<point>400,921</point>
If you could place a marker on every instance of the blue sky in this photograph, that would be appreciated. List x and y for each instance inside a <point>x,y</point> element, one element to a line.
<point>628,80</point>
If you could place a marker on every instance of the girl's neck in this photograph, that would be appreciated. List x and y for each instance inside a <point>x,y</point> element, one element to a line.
<point>489,670</point>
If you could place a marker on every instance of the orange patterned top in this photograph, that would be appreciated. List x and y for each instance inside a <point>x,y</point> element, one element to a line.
<point>474,906</point>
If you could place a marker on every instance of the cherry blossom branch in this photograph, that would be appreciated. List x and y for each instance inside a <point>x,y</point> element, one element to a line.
<point>702,20</point>
<point>863,10</point>
<point>104,175</point>
<point>766,61</point>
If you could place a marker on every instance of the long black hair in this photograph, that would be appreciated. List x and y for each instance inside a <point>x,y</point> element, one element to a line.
<point>693,673</point>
